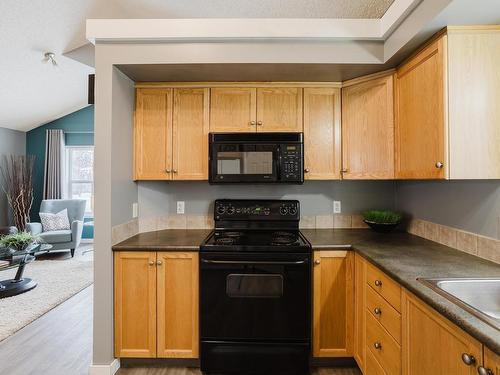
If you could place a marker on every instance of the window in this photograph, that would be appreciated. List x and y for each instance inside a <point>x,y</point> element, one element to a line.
<point>80,175</point>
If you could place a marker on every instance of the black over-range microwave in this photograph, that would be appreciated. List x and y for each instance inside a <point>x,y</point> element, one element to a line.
<point>256,157</point>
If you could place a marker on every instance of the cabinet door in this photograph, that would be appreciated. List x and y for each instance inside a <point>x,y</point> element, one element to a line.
<point>233,109</point>
<point>432,344</point>
<point>178,305</point>
<point>322,133</point>
<point>279,109</point>
<point>359,312</point>
<point>153,134</point>
<point>135,304</point>
<point>491,362</point>
<point>333,305</point>
<point>368,130</point>
<point>190,134</point>
<point>421,121</point>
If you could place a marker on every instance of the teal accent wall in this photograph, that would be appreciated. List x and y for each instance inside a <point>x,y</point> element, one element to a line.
<point>79,121</point>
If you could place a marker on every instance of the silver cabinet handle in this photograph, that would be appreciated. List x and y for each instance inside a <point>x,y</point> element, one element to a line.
<point>168,170</point>
<point>174,170</point>
<point>252,123</point>
<point>484,371</point>
<point>259,123</point>
<point>377,345</point>
<point>151,262</point>
<point>317,262</point>
<point>344,170</point>
<point>306,170</point>
<point>159,262</point>
<point>377,311</point>
<point>378,283</point>
<point>439,165</point>
<point>468,359</point>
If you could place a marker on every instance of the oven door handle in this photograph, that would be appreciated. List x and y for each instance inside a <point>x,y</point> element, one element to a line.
<point>253,262</point>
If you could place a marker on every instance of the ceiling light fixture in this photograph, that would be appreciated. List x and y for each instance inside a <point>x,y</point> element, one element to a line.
<point>50,56</point>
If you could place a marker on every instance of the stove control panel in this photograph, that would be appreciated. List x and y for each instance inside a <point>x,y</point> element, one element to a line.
<point>243,209</point>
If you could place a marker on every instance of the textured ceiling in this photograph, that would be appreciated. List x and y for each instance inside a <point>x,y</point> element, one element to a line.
<point>256,8</point>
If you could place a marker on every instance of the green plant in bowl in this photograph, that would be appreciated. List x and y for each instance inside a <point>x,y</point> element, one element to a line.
<point>382,220</point>
<point>19,241</point>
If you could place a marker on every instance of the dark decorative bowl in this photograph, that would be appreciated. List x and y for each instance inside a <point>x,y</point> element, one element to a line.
<point>381,227</point>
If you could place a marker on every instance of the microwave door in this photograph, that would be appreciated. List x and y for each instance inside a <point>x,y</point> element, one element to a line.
<point>245,163</point>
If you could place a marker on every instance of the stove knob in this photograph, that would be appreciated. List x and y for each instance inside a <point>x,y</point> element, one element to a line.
<point>293,210</point>
<point>267,211</point>
<point>283,210</point>
<point>230,210</point>
<point>221,210</point>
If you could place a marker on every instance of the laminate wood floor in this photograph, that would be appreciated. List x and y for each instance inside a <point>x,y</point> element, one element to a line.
<point>191,371</point>
<point>58,343</point>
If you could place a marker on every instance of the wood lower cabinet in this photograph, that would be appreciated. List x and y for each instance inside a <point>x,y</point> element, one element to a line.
<point>359,312</point>
<point>322,129</point>
<point>433,345</point>
<point>156,304</point>
<point>233,109</point>
<point>368,129</point>
<point>333,304</point>
<point>421,125</point>
<point>153,134</point>
<point>135,304</point>
<point>177,304</point>
<point>491,362</point>
<point>279,109</point>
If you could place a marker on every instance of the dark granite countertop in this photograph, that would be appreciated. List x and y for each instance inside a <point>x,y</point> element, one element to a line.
<point>402,256</point>
<point>405,258</point>
<point>165,240</point>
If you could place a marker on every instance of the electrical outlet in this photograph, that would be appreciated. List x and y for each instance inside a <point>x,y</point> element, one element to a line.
<point>337,207</point>
<point>180,207</point>
<point>135,210</point>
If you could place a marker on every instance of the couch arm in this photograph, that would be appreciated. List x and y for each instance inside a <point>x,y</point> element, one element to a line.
<point>76,232</point>
<point>34,228</point>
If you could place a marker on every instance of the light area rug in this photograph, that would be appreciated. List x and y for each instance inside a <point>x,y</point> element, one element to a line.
<point>59,277</point>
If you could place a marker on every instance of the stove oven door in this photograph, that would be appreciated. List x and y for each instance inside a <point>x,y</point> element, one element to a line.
<point>255,297</point>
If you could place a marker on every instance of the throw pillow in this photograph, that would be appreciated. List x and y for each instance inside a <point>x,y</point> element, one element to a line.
<point>58,221</point>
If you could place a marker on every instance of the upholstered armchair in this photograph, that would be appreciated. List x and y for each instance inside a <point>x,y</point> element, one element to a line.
<point>67,238</point>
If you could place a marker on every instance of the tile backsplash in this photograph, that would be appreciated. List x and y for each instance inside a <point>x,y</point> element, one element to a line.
<point>475,244</point>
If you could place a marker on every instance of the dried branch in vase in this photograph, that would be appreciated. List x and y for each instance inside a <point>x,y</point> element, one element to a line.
<point>17,173</point>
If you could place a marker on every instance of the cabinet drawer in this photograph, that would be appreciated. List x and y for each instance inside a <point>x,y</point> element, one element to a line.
<point>372,367</point>
<point>384,285</point>
<point>388,353</point>
<point>384,313</point>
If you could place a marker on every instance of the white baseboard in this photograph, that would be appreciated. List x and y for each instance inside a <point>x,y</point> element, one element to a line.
<point>110,369</point>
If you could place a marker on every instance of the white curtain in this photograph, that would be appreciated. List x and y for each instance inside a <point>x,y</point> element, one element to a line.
<point>53,181</point>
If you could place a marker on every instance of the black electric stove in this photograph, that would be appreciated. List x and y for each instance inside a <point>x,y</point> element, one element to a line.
<point>255,290</point>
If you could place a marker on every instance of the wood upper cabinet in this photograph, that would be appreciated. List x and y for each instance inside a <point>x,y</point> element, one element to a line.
<point>279,109</point>
<point>153,134</point>
<point>135,304</point>
<point>421,121</point>
<point>171,134</point>
<point>491,362</point>
<point>368,128</point>
<point>190,134</point>
<point>156,304</point>
<point>178,305</point>
<point>359,312</point>
<point>322,130</point>
<point>233,109</point>
<point>433,345</point>
<point>333,304</point>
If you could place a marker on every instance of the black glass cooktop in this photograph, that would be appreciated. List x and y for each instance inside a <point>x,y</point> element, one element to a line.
<point>256,240</point>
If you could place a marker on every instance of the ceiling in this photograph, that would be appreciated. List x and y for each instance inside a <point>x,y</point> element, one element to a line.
<point>35,92</point>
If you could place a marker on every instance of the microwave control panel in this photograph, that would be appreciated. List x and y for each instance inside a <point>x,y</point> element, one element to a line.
<point>291,162</point>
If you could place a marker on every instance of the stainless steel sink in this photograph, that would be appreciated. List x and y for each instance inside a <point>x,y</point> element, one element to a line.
<point>481,297</point>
